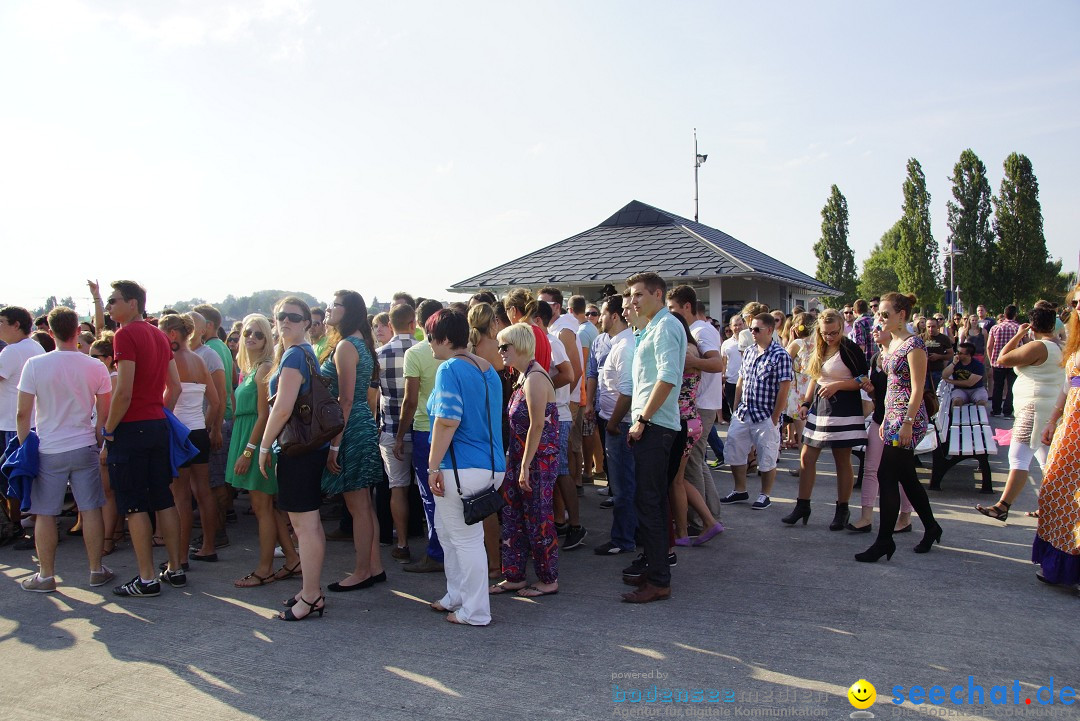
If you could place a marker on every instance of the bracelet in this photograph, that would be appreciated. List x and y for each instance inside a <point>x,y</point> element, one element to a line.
<point>433,471</point>
<point>264,450</point>
<point>335,448</point>
<point>805,404</point>
<point>909,420</point>
<point>252,447</point>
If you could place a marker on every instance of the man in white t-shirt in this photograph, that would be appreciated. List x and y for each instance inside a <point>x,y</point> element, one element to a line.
<point>564,326</point>
<point>682,301</point>
<point>16,325</point>
<point>211,510</point>
<point>65,388</point>
<point>732,355</point>
<point>562,378</point>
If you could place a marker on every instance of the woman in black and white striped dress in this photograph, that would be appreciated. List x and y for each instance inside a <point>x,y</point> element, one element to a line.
<point>833,412</point>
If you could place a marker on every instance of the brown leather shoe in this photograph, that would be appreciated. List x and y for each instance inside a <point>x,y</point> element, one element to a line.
<point>646,594</point>
<point>635,580</point>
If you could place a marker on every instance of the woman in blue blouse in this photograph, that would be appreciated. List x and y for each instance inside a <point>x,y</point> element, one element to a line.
<point>466,434</point>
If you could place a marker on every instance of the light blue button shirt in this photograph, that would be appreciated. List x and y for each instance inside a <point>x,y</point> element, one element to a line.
<point>660,356</point>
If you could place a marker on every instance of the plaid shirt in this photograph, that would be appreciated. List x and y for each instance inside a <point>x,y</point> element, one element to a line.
<point>762,373</point>
<point>998,338</point>
<point>862,332</point>
<point>391,359</point>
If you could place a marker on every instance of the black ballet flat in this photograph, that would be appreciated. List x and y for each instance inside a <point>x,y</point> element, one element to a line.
<point>340,588</point>
<point>905,529</point>
<point>858,529</point>
<point>380,578</point>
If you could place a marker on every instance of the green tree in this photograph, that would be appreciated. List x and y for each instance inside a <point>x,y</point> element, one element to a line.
<point>836,261</point>
<point>1019,263</point>
<point>879,269</point>
<point>970,213</point>
<point>1055,284</point>
<point>917,252</point>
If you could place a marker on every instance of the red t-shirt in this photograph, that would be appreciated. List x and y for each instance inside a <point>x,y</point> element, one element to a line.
<point>543,347</point>
<point>149,348</point>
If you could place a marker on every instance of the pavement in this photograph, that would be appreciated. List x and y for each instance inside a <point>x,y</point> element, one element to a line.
<point>766,620</point>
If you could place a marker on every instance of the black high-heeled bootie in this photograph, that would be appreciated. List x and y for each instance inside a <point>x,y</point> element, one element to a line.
<point>840,518</point>
<point>802,510</point>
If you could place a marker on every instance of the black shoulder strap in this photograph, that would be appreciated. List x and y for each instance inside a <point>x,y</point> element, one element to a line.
<point>491,433</point>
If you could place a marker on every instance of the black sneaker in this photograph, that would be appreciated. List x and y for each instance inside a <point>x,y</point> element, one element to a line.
<point>176,579</point>
<point>575,535</point>
<point>736,497</point>
<point>607,503</point>
<point>165,564</point>
<point>561,529</point>
<point>607,549</point>
<point>637,568</point>
<point>672,560</point>
<point>136,587</point>
<point>761,503</point>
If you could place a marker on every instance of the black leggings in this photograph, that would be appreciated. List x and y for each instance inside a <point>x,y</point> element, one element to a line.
<point>898,468</point>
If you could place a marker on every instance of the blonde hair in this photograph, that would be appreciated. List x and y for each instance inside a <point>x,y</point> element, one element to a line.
<point>1072,328</point>
<point>827,317</point>
<point>245,360</point>
<point>481,317</point>
<point>753,308</point>
<point>521,337</point>
<point>522,301</point>
<point>802,325</point>
<point>182,324</point>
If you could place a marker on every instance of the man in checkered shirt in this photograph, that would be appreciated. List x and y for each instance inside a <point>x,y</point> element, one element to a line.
<point>760,396</point>
<point>391,358</point>
<point>862,329</point>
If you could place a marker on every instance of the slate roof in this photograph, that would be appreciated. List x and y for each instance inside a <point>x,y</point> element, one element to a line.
<point>640,237</point>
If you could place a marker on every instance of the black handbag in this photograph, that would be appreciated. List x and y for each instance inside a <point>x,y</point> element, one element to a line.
<point>316,418</point>
<point>488,501</point>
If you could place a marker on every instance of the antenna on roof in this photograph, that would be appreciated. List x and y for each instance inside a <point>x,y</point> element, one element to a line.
<point>699,159</point>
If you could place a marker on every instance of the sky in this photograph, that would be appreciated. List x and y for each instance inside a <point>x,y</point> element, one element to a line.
<point>215,148</point>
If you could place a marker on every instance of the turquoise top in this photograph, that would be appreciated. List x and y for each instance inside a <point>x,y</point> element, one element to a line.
<point>660,356</point>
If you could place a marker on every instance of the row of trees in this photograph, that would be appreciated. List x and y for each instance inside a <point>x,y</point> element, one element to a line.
<point>1001,237</point>
<point>261,301</point>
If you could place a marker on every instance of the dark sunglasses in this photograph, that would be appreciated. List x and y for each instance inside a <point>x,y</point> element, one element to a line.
<point>98,356</point>
<point>591,313</point>
<point>848,312</point>
<point>110,301</point>
<point>503,347</point>
<point>291,317</point>
<point>258,333</point>
<point>1074,303</point>
<point>883,314</point>
<point>757,329</point>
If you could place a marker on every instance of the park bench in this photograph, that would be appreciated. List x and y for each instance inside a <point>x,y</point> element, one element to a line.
<point>965,434</point>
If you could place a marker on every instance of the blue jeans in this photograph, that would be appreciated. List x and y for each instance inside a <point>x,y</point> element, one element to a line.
<point>716,443</point>
<point>620,470</point>
<point>421,445</point>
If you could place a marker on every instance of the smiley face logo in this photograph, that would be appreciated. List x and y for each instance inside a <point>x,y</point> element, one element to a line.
<point>862,694</point>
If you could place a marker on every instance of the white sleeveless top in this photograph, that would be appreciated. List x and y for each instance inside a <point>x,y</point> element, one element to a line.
<point>189,407</point>
<point>1035,393</point>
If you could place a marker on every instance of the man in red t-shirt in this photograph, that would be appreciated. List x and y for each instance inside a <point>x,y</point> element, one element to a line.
<point>137,438</point>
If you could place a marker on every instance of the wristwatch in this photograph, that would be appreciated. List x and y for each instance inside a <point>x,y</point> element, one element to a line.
<point>644,421</point>
<point>247,453</point>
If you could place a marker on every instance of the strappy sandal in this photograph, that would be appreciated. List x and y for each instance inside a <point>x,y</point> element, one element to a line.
<point>289,572</point>
<point>502,587</point>
<point>288,615</point>
<point>994,511</point>
<point>1032,514</point>
<point>109,544</point>
<point>256,579</point>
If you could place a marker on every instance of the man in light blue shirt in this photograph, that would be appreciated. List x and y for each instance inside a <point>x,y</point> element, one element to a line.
<point>658,368</point>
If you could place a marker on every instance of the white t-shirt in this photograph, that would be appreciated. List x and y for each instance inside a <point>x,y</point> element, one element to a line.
<point>213,364</point>
<point>66,385</point>
<point>569,322</point>
<point>616,375</point>
<point>731,350</point>
<point>12,360</point>
<point>711,386</point>
<point>562,395</point>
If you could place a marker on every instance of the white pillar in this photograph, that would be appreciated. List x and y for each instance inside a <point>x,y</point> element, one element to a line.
<point>716,298</point>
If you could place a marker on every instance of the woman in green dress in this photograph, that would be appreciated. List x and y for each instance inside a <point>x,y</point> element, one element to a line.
<point>354,464</point>
<point>255,360</point>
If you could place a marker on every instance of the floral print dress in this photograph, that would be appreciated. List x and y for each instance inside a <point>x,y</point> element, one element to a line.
<point>898,392</point>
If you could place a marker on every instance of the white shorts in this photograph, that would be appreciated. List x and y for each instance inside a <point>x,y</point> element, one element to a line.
<point>400,472</point>
<point>743,435</point>
<point>1020,455</point>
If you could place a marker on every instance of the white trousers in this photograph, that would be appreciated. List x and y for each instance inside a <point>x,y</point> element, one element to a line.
<point>464,557</point>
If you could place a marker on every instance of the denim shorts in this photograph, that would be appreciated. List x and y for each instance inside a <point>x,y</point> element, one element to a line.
<point>564,446</point>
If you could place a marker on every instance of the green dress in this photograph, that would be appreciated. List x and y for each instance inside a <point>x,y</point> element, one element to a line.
<point>244,419</point>
<point>359,458</point>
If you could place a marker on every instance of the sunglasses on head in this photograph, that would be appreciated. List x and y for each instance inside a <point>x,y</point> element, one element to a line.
<point>259,335</point>
<point>503,347</point>
<point>291,317</point>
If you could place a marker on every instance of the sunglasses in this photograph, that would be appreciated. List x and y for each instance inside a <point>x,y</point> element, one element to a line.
<point>1074,303</point>
<point>757,329</point>
<point>291,317</point>
<point>848,312</point>
<point>98,356</point>
<point>884,314</point>
<point>503,347</point>
<point>110,301</point>
<point>592,313</point>
<point>259,335</point>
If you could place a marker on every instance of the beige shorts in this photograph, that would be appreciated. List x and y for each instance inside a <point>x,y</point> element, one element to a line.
<point>400,472</point>
<point>577,416</point>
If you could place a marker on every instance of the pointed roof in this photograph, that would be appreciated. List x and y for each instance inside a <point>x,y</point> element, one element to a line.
<point>639,238</point>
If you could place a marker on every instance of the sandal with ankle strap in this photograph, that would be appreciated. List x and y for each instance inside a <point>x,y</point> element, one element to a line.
<point>288,615</point>
<point>994,512</point>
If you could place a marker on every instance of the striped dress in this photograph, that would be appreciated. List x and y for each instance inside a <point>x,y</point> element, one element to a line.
<point>838,421</point>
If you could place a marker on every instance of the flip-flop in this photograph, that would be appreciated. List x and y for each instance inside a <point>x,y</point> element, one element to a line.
<point>259,580</point>
<point>534,592</point>
<point>504,587</point>
<point>1032,514</point>
<point>289,572</point>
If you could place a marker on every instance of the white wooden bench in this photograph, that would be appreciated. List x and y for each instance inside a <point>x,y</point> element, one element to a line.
<point>965,434</point>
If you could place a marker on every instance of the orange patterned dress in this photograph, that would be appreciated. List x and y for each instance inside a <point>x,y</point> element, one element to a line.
<point>1057,540</point>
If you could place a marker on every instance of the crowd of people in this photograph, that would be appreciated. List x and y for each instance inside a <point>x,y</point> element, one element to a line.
<point>155,424</point>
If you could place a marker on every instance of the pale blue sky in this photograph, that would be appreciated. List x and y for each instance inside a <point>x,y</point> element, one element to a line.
<point>206,148</point>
